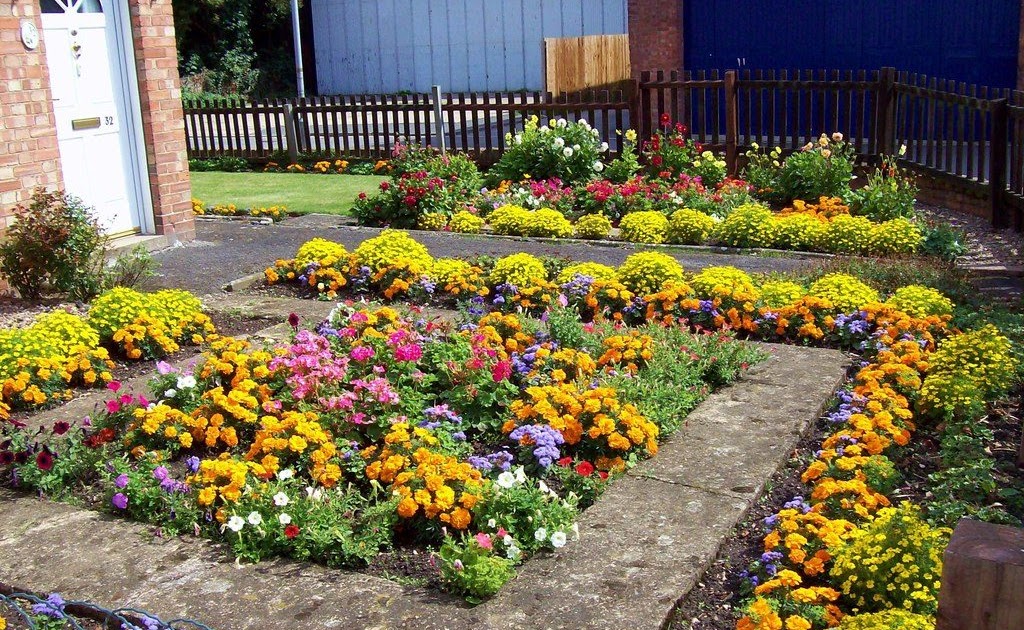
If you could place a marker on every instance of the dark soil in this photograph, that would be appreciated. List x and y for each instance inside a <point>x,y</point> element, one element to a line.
<point>235,325</point>
<point>410,565</point>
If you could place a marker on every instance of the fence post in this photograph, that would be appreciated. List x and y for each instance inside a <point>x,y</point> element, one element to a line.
<point>634,108</point>
<point>982,578</point>
<point>732,122</point>
<point>438,113</point>
<point>290,133</point>
<point>643,124</point>
<point>997,164</point>
<point>885,112</point>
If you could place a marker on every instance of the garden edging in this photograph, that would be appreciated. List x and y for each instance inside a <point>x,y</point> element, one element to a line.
<point>643,544</point>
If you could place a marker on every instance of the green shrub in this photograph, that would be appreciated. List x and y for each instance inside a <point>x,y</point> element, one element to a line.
<point>470,570</point>
<point>570,151</point>
<point>55,240</point>
<point>889,193</point>
<point>644,227</point>
<point>689,227</point>
<point>820,169</point>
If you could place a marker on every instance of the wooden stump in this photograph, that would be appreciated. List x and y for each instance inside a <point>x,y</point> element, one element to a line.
<point>982,578</point>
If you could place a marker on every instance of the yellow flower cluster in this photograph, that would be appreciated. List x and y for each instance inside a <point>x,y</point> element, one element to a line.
<point>593,421</point>
<point>319,250</point>
<point>597,271</point>
<point>433,221</point>
<point>648,226</point>
<point>689,227</point>
<point>845,292</point>
<point>728,283</point>
<point>892,619</point>
<point>41,380</point>
<point>293,438</point>
<point>504,332</point>
<point>895,561</point>
<point>826,208</point>
<point>649,272</point>
<point>519,270</point>
<point>457,277</point>
<point>198,207</point>
<point>276,213</point>
<point>431,484</point>
<point>966,370</point>
<point>465,222</point>
<point>919,301</point>
<point>779,293</point>
<point>749,225</point>
<point>804,538</point>
<point>509,220</point>
<point>564,364</point>
<point>593,226</point>
<point>389,248</point>
<point>222,478</point>
<point>628,352</point>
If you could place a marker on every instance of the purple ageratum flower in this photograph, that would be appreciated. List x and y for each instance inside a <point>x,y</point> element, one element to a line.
<point>53,607</point>
<point>459,436</point>
<point>121,482</point>
<point>193,464</point>
<point>120,501</point>
<point>501,460</point>
<point>545,441</point>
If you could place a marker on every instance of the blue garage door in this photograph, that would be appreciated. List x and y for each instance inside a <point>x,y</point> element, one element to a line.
<point>975,42</point>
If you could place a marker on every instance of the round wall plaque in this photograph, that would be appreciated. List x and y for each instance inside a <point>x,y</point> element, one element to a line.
<point>29,34</point>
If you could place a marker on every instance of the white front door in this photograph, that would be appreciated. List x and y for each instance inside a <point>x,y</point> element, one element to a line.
<point>88,100</point>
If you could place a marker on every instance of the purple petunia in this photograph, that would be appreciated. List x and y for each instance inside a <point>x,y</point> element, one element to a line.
<point>121,482</point>
<point>120,501</point>
<point>53,607</point>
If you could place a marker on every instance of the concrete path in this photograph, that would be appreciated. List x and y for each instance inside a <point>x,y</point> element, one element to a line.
<point>227,250</point>
<point>643,545</point>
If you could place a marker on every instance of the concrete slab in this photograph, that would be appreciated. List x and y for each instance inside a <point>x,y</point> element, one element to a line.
<point>643,545</point>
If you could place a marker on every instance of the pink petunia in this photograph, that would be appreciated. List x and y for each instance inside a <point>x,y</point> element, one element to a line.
<point>484,541</point>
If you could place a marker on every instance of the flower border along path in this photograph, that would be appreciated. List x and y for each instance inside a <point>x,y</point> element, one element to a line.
<point>642,546</point>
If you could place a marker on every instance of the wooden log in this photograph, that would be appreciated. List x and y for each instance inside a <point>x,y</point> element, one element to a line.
<point>982,578</point>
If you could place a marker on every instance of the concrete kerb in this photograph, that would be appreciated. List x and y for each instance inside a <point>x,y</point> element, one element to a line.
<point>643,545</point>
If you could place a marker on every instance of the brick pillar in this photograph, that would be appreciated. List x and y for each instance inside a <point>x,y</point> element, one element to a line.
<point>29,157</point>
<point>656,35</point>
<point>163,121</point>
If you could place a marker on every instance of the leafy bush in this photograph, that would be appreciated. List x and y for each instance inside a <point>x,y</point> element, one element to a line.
<point>821,169</point>
<point>647,272</point>
<point>747,226</point>
<point>845,292</point>
<point>593,226</point>
<point>570,151</point>
<point>918,301</point>
<point>689,227</point>
<point>966,369</point>
<point>895,561</point>
<point>944,241</point>
<point>627,165</point>
<point>318,249</point>
<point>465,222</point>
<point>471,570</point>
<point>889,193</point>
<point>644,227</point>
<point>519,270</point>
<point>130,269</point>
<point>226,164</point>
<point>56,239</point>
<point>671,153</point>
<point>763,171</point>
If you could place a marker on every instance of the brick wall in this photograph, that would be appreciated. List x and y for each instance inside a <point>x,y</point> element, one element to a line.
<point>28,134</point>
<point>163,122</point>
<point>655,35</point>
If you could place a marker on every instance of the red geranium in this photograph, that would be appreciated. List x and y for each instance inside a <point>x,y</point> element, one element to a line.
<point>584,469</point>
<point>291,531</point>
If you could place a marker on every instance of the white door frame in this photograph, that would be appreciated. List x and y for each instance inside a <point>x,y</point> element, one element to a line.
<point>128,82</point>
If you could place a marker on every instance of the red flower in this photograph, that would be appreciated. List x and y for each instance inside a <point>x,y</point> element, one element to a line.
<point>44,460</point>
<point>656,160</point>
<point>501,371</point>
<point>666,119</point>
<point>584,469</point>
<point>602,474</point>
<point>291,531</point>
<point>6,458</point>
<point>293,320</point>
<point>60,427</point>
<point>564,462</point>
<point>384,185</point>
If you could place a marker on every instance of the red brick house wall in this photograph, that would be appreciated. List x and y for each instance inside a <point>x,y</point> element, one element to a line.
<point>29,154</point>
<point>655,35</point>
<point>28,134</point>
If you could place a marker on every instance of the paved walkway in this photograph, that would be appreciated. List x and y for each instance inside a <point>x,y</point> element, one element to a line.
<point>643,545</point>
<point>228,250</point>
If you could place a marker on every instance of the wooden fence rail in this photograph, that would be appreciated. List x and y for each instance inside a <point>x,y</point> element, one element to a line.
<point>969,137</point>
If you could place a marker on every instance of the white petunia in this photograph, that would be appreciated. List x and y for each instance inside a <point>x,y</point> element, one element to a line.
<point>604,147</point>
<point>314,494</point>
<point>186,382</point>
<point>561,122</point>
<point>236,523</point>
<point>520,474</point>
<point>567,152</point>
<point>519,138</point>
<point>598,166</point>
<point>171,393</point>
<point>559,142</point>
<point>254,518</point>
<point>284,518</point>
<point>513,552</point>
<point>506,480</point>
<point>280,499</point>
<point>543,487</point>
<point>541,534</point>
<point>508,540</point>
<point>575,147</point>
<point>558,540</point>
<point>492,523</point>
<point>287,473</point>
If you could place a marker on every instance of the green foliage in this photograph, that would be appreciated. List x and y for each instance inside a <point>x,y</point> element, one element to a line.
<point>944,241</point>
<point>889,193</point>
<point>55,240</point>
<point>763,172</point>
<point>469,569</point>
<point>821,169</point>
<point>570,151</point>
<point>224,163</point>
<point>627,165</point>
<point>848,235</point>
<point>528,511</point>
<point>130,269</point>
<point>671,153</point>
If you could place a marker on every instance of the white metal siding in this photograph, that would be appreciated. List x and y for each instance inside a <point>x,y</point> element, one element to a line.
<point>374,46</point>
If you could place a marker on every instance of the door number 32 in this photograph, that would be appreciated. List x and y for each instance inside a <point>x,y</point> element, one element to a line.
<point>108,120</point>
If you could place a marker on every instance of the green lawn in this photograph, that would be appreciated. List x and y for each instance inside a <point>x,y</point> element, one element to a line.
<point>302,193</point>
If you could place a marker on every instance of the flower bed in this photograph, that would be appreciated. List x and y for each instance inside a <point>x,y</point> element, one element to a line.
<point>274,213</point>
<point>42,363</point>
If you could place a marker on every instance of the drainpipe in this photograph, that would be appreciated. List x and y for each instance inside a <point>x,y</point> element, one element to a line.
<point>297,37</point>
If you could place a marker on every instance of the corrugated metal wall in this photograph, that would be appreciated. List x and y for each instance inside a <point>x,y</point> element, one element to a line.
<point>374,46</point>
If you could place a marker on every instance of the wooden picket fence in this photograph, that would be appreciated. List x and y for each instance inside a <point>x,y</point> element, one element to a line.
<point>969,137</point>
